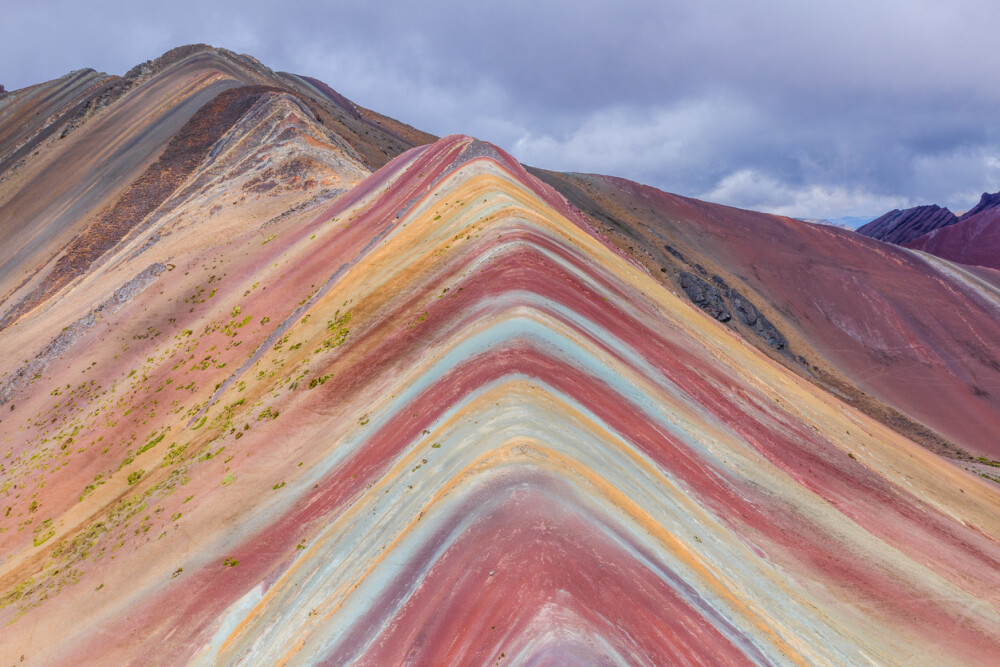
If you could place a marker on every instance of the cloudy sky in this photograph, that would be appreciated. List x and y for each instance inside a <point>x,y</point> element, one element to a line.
<point>810,108</point>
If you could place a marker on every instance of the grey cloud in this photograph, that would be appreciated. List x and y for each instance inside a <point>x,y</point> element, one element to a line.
<point>815,109</point>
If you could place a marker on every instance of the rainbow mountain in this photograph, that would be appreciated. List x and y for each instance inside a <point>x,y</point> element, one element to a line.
<point>285,381</point>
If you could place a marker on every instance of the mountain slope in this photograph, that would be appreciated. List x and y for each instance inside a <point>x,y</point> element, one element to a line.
<point>310,408</point>
<point>901,227</point>
<point>112,133</point>
<point>906,340</point>
<point>986,202</point>
<point>974,241</point>
<point>972,238</point>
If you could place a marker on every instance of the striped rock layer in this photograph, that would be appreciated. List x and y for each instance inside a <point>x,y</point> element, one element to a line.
<point>901,227</point>
<point>435,417</point>
<point>904,337</point>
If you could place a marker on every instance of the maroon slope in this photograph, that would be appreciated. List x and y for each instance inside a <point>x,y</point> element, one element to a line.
<point>899,337</point>
<point>974,240</point>
<point>901,227</point>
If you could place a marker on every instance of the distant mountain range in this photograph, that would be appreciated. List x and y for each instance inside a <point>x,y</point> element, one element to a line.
<point>851,222</point>
<point>972,238</point>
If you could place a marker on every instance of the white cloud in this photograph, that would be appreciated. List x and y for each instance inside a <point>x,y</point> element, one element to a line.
<point>667,143</point>
<point>419,99</point>
<point>753,190</point>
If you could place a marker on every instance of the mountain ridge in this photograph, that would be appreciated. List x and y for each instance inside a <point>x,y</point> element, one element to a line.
<point>975,240</point>
<point>986,201</point>
<point>317,405</point>
<point>902,226</point>
<point>972,238</point>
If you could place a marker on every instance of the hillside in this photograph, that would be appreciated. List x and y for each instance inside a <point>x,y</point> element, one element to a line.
<point>903,338</point>
<point>974,240</point>
<point>901,227</point>
<point>289,382</point>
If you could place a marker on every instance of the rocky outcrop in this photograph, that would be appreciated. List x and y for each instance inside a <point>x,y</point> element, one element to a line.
<point>706,296</point>
<point>720,301</point>
<point>751,317</point>
<point>901,227</point>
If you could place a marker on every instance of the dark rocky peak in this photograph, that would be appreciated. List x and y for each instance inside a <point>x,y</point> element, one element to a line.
<point>987,201</point>
<point>901,227</point>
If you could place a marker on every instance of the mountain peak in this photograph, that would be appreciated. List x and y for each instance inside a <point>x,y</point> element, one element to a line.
<point>987,201</point>
<point>286,380</point>
<point>901,226</point>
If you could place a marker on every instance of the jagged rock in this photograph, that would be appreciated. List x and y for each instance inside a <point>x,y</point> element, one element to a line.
<point>676,253</point>
<point>746,311</point>
<point>753,318</point>
<point>750,316</point>
<point>706,296</point>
